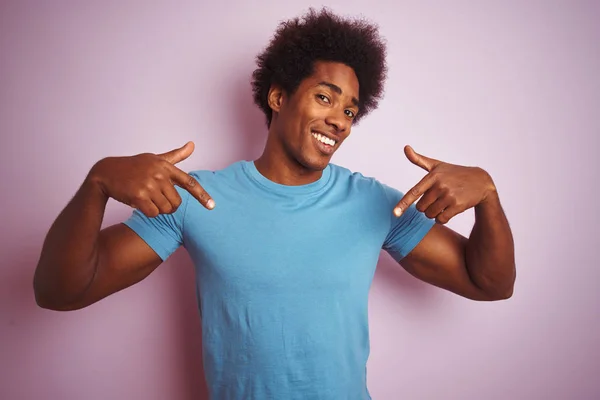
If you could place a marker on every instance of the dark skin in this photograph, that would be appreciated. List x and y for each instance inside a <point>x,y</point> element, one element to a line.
<point>325,102</point>
<point>481,267</point>
<point>81,264</point>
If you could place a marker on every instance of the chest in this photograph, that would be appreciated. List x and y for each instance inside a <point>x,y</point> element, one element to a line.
<point>286,248</point>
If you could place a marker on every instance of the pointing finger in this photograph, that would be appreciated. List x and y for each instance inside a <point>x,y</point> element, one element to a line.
<point>187,182</point>
<point>413,194</point>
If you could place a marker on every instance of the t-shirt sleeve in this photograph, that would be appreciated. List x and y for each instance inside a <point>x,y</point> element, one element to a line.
<point>405,231</point>
<point>164,233</point>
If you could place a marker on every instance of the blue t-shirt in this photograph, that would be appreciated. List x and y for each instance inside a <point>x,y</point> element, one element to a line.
<point>283,276</point>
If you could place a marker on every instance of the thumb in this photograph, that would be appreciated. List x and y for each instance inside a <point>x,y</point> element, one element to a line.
<point>420,160</point>
<point>178,155</point>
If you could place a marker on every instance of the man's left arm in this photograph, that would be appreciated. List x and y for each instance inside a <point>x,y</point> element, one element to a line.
<point>481,267</point>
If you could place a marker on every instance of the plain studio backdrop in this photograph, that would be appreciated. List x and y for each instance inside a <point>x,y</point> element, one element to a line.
<point>513,87</point>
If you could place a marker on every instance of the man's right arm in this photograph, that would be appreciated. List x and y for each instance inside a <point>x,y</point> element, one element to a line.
<point>80,263</point>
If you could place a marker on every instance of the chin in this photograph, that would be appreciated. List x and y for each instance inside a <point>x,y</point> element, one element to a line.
<point>308,156</point>
<point>314,163</point>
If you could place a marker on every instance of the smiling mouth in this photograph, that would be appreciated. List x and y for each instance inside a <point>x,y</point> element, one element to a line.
<point>324,144</point>
<point>324,139</point>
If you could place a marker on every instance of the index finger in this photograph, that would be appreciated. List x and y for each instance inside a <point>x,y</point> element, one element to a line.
<point>413,194</point>
<point>189,183</point>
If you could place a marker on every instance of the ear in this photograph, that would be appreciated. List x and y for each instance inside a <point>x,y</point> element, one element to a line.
<point>275,97</point>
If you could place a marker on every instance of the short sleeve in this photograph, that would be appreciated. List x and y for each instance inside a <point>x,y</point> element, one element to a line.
<point>405,231</point>
<point>164,233</point>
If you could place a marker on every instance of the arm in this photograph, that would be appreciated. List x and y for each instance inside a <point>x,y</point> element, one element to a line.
<point>81,264</point>
<point>481,267</point>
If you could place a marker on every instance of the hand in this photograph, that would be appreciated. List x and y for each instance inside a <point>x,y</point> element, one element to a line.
<point>447,189</point>
<point>147,181</point>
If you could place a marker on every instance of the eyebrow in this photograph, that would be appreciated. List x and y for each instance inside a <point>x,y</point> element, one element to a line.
<point>337,89</point>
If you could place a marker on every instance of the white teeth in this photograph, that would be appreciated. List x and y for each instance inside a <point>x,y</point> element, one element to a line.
<point>323,139</point>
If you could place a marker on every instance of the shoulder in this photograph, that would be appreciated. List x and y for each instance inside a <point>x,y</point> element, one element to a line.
<point>344,174</point>
<point>356,181</point>
<point>209,176</point>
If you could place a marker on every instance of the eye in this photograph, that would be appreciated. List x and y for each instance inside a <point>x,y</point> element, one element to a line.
<point>324,98</point>
<point>350,113</point>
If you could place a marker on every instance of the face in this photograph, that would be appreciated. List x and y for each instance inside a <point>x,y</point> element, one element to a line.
<point>310,125</point>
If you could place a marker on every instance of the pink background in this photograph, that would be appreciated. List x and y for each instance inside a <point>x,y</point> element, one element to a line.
<point>513,87</point>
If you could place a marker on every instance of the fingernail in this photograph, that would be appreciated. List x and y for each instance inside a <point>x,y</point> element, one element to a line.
<point>397,212</point>
<point>210,204</point>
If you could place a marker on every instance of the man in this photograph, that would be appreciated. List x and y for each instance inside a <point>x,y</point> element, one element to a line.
<point>285,246</point>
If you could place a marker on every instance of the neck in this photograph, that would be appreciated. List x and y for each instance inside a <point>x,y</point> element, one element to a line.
<point>277,165</point>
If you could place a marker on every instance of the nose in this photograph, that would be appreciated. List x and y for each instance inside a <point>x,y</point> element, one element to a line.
<point>338,121</point>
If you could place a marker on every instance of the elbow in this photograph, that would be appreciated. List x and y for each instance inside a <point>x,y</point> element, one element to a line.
<point>46,301</point>
<point>46,298</point>
<point>501,291</point>
<point>502,295</point>
<point>510,289</point>
<point>42,299</point>
<point>53,304</point>
<point>490,295</point>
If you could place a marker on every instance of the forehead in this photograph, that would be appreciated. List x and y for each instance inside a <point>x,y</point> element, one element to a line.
<point>338,74</point>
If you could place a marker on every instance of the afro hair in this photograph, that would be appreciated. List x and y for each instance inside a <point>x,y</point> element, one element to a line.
<point>321,36</point>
